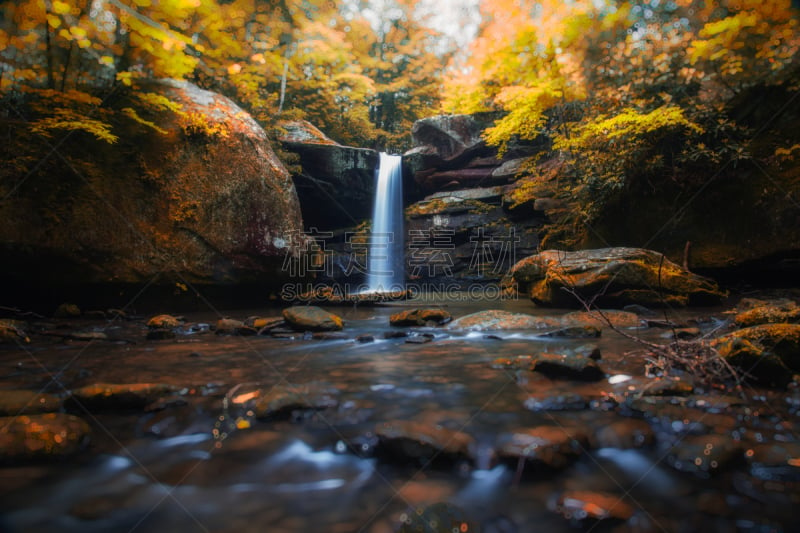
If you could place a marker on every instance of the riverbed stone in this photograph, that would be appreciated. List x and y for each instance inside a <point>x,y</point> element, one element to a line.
<point>44,436</point>
<point>421,317</point>
<point>420,440</point>
<point>622,433</point>
<point>281,401</point>
<point>567,365</point>
<point>15,402</point>
<point>613,277</point>
<point>602,318</point>
<point>553,447</point>
<point>164,321</point>
<point>312,318</point>
<point>104,396</point>
<point>574,332</point>
<point>703,454</point>
<point>494,319</point>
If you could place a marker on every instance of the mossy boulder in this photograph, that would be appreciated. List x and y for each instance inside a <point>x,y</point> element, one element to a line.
<point>769,353</point>
<point>197,196</point>
<point>612,277</point>
<point>769,313</point>
<point>312,318</point>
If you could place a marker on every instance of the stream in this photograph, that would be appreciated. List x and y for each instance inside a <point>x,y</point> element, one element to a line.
<point>202,462</point>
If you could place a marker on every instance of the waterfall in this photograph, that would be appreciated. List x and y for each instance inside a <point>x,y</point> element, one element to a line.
<point>385,265</point>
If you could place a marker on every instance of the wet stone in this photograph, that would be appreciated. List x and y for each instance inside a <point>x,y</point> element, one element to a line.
<point>419,440</point>
<point>589,505</point>
<point>164,321</point>
<point>659,386</point>
<point>229,326</point>
<point>15,402</point>
<point>568,365</point>
<point>601,318</point>
<point>574,332</point>
<point>418,339</point>
<point>558,401</point>
<point>420,317</point>
<point>282,401</point>
<point>263,324</point>
<point>703,454</point>
<point>103,396</point>
<point>553,447</point>
<point>365,339</point>
<point>623,433</point>
<point>312,318</point>
<point>394,334</point>
<point>45,436</point>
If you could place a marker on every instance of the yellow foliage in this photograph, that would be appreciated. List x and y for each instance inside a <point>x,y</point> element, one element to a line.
<point>131,113</point>
<point>628,125</point>
<point>197,125</point>
<point>70,120</point>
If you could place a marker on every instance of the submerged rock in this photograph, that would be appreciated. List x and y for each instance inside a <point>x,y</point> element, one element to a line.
<point>16,402</point>
<point>420,317</point>
<point>554,447</point>
<point>623,433</point>
<point>281,401</point>
<point>103,396</point>
<point>611,276</point>
<point>46,436</point>
<point>418,440</point>
<point>703,454</point>
<point>312,318</point>
<point>568,365</point>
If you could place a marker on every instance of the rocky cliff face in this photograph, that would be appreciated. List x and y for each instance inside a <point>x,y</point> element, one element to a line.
<point>335,183</point>
<point>204,201</point>
<point>465,230</point>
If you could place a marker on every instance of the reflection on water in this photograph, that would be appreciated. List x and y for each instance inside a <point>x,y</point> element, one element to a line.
<point>203,466</point>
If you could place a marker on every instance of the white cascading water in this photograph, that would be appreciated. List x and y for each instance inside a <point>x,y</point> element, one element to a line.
<point>385,268</point>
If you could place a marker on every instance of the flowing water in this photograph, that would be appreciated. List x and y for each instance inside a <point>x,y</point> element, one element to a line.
<point>191,467</point>
<point>385,265</point>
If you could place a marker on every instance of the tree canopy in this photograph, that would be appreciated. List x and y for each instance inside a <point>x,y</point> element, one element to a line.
<point>362,82</point>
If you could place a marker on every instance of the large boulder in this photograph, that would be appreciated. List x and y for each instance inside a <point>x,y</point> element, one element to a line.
<point>335,183</point>
<point>194,194</point>
<point>611,277</point>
